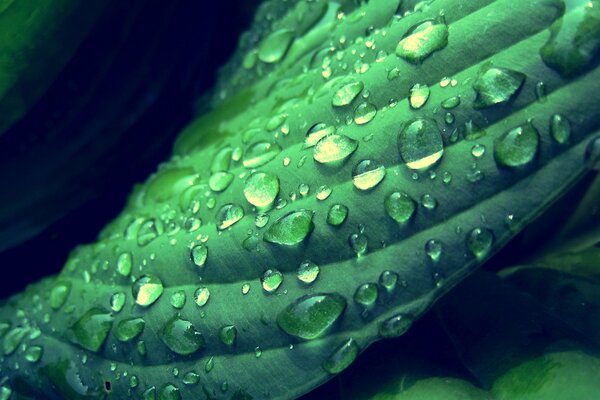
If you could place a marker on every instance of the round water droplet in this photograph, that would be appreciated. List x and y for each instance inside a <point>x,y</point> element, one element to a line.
<point>592,154</point>
<point>420,144</point>
<point>400,207</point>
<point>560,129</point>
<point>342,357</point>
<point>261,189</point>
<point>201,296</point>
<point>178,299</point>
<point>129,329</point>
<point>478,150</point>
<point>310,316</point>
<point>199,254</point>
<point>364,113</point>
<point>146,290</point>
<point>271,280</point>
<point>228,215</point>
<point>316,133</point>
<point>228,335</point>
<point>308,272</point>
<point>180,336</point>
<point>273,47</point>
<point>290,229</point>
<point>258,154</point>
<point>334,148</point>
<point>348,92</point>
<point>388,281</point>
<point>359,243</point>
<point>419,94</point>
<point>91,330</point>
<point>517,147</point>
<point>366,294</point>
<point>367,174</point>
<point>219,181</point>
<point>496,85</point>
<point>433,249</point>
<point>124,263</point>
<point>395,326</point>
<point>337,214</point>
<point>479,242</point>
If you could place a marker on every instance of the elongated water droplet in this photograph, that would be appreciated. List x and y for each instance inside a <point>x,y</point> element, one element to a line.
<point>359,243</point>
<point>130,328</point>
<point>479,242</point>
<point>517,147</point>
<point>271,280</point>
<point>364,113</point>
<point>228,215</point>
<point>323,192</point>
<point>178,299</point>
<point>337,214</point>
<point>342,357</point>
<point>560,129</point>
<point>149,230</point>
<point>199,254</point>
<point>91,330</point>
<point>124,263</point>
<point>308,272</point>
<point>13,339</point>
<point>221,160</point>
<point>219,181</point>
<point>433,249</point>
<point>59,294</point>
<point>117,301</point>
<point>395,326</point>
<point>146,290</point>
<point>316,133</point>
<point>451,102</point>
<point>419,94</point>
<point>420,144</point>
<point>311,316</point>
<point>400,207</point>
<point>496,85</point>
<point>260,153</point>
<point>201,296</point>
<point>422,40</point>
<point>334,148</point>
<point>180,336</point>
<point>367,174</point>
<point>344,95</point>
<point>273,47</point>
<point>261,189</point>
<point>290,229</point>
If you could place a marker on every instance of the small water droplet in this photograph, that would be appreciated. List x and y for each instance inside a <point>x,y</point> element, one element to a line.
<point>433,249</point>
<point>428,201</point>
<point>395,326</point>
<point>323,192</point>
<point>228,335</point>
<point>260,153</point>
<point>201,296</point>
<point>388,280</point>
<point>59,294</point>
<point>275,46</point>
<point>169,392</point>
<point>117,301</point>
<point>364,113</point>
<point>366,294</point>
<point>130,328</point>
<point>124,263</point>
<point>560,129</point>
<point>316,133</point>
<point>178,299</point>
<point>271,280</point>
<point>359,243</point>
<point>199,254</point>
<point>337,214</point>
<point>33,354</point>
<point>451,102</point>
<point>348,92</point>
<point>91,330</point>
<point>220,181</point>
<point>478,150</point>
<point>479,242</point>
<point>400,207</point>
<point>419,94</point>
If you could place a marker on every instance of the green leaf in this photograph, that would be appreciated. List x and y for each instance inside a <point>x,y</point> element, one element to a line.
<point>378,271</point>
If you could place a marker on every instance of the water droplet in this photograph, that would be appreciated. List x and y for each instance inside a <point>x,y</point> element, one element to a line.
<point>316,133</point>
<point>91,330</point>
<point>311,316</point>
<point>181,337</point>
<point>178,299</point>
<point>201,296</point>
<point>419,94</point>
<point>147,289</point>
<point>342,357</point>
<point>199,255</point>
<point>344,95</point>
<point>451,102</point>
<point>479,242</point>
<point>228,215</point>
<point>395,326</point>
<point>433,249</point>
<point>34,353</point>
<point>400,207</point>
<point>517,147</point>
<point>219,181</point>
<point>210,364</point>
<point>574,38</point>
<point>59,294</point>
<point>560,129</point>
<point>260,153</point>
<point>364,113</point>
<point>478,150</point>
<point>117,301</point>
<point>359,243</point>
<point>5,392</point>
<point>273,47</point>
<point>257,352</point>
<point>323,192</point>
<point>228,335</point>
<point>124,263</point>
<point>337,214</point>
<point>271,280</point>
<point>592,154</point>
<point>169,392</point>
<point>420,144</point>
<point>261,189</point>
<point>367,174</point>
<point>149,230</point>
<point>130,328</point>
<point>191,378</point>
<point>366,294</point>
<point>221,160</point>
<point>496,85</point>
<point>308,272</point>
<point>428,201</point>
<point>334,148</point>
<point>388,281</point>
<point>245,288</point>
<point>290,229</point>
<point>13,339</point>
<point>422,40</point>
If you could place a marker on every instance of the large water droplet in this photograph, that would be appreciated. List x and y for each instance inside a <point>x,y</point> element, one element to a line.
<point>348,92</point>
<point>316,133</point>
<point>181,337</point>
<point>395,326</point>
<point>261,189</point>
<point>147,289</point>
<point>496,85</point>
<point>400,207</point>
<point>228,215</point>
<point>420,144</point>
<point>337,214</point>
<point>334,148</point>
<point>130,328</point>
<point>342,357</point>
<point>271,280</point>
<point>290,229</point>
<point>367,174</point>
<point>273,47</point>
<point>91,330</point>
<point>422,40</point>
<point>260,153</point>
<point>311,316</point>
<point>479,242</point>
<point>517,147</point>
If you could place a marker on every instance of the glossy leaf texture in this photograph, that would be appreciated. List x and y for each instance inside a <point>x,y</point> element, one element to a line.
<point>295,225</point>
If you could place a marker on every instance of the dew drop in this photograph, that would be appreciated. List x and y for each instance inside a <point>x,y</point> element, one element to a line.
<point>273,47</point>
<point>400,207</point>
<point>337,214</point>
<point>290,229</point>
<point>348,92</point>
<point>228,215</point>
<point>316,133</point>
<point>560,129</point>
<point>496,85</point>
<point>517,147</point>
<point>199,254</point>
<point>180,336</point>
<point>271,280</point>
<point>395,326</point>
<point>420,144</point>
<point>366,294</point>
<point>364,113</point>
<point>146,290</point>
<point>311,316</point>
<point>124,263</point>
<point>342,357</point>
<point>419,94</point>
<point>261,189</point>
<point>201,296</point>
<point>479,242</point>
<point>433,249</point>
<point>228,335</point>
<point>130,328</point>
<point>334,148</point>
<point>367,174</point>
<point>308,272</point>
<point>91,330</point>
<point>422,40</point>
<point>260,153</point>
